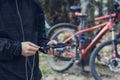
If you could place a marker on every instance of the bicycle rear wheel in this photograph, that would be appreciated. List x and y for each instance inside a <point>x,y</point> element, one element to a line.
<point>62,62</point>
<point>103,66</point>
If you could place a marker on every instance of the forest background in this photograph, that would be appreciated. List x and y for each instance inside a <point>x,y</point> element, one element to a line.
<point>57,11</point>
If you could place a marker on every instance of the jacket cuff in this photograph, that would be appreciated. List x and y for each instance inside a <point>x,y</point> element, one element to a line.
<point>18,49</point>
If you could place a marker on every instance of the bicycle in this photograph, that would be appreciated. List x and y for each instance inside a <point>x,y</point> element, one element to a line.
<point>75,46</point>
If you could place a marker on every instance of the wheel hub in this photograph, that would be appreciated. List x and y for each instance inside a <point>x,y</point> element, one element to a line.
<point>114,64</point>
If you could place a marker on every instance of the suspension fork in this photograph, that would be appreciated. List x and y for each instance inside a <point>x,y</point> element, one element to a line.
<point>114,44</point>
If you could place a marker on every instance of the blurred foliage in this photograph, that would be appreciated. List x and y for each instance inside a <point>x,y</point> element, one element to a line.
<point>45,69</point>
<point>58,10</point>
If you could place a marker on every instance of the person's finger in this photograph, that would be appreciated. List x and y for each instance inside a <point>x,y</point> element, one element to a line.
<point>33,49</point>
<point>33,45</point>
<point>52,42</point>
<point>52,51</point>
<point>29,53</point>
<point>55,52</point>
<point>49,51</point>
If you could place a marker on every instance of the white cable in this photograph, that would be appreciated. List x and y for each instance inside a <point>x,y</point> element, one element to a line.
<point>26,67</point>
<point>21,23</point>
<point>26,60</point>
<point>32,70</point>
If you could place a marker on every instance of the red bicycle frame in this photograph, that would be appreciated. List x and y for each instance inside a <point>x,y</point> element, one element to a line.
<point>105,27</point>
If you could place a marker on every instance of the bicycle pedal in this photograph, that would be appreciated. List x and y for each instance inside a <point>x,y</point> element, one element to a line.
<point>77,62</point>
<point>84,72</point>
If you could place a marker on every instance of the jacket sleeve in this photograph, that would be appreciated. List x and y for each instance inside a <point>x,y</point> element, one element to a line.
<point>9,49</point>
<point>42,38</point>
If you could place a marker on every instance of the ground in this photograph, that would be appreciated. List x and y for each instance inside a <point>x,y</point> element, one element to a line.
<point>74,73</point>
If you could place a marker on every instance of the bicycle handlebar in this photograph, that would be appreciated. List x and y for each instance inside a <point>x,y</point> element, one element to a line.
<point>58,47</point>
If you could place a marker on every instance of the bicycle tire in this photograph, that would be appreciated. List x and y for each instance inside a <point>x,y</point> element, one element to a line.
<point>66,62</point>
<point>99,66</point>
<point>58,26</point>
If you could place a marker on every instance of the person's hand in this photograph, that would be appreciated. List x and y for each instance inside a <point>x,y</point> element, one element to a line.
<point>52,51</point>
<point>29,48</point>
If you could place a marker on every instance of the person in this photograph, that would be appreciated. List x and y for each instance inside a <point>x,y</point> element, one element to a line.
<point>22,33</point>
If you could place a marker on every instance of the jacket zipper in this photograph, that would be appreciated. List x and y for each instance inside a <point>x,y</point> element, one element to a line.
<point>23,34</point>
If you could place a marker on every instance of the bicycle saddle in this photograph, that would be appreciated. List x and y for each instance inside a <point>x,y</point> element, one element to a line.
<point>75,8</point>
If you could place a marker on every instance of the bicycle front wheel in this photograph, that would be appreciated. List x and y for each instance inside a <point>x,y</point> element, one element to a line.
<point>62,62</point>
<point>103,66</point>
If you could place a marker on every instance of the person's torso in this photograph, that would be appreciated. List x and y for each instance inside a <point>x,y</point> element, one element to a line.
<point>17,22</point>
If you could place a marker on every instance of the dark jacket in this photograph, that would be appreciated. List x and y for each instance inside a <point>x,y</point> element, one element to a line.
<point>20,20</point>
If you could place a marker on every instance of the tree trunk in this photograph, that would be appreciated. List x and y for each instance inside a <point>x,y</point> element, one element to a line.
<point>89,9</point>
